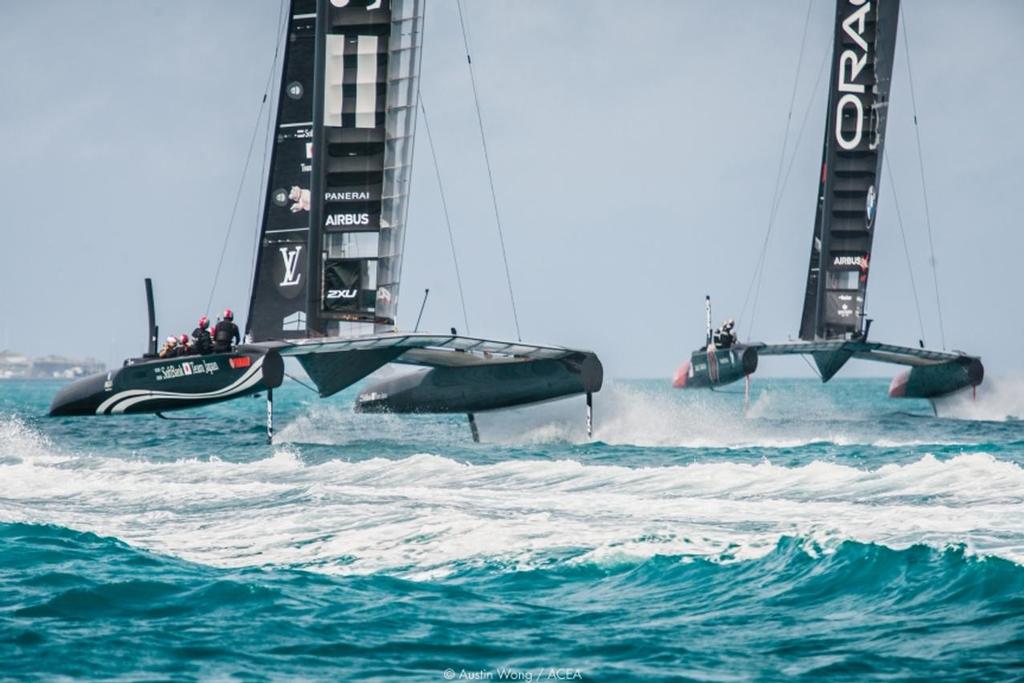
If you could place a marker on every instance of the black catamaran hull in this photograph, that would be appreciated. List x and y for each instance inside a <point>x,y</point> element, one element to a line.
<point>715,367</point>
<point>484,386</point>
<point>160,385</point>
<point>931,374</point>
<point>935,381</point>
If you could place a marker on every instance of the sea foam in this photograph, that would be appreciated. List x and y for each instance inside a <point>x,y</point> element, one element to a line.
<point>422,515</point>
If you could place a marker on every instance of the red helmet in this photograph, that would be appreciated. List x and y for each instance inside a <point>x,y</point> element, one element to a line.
<point>204,322</point>
<point>228,315</point>
<point>184,340</point>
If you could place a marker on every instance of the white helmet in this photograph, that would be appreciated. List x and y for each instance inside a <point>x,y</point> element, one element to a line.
<point>172,340</point>
<point>729,323</point>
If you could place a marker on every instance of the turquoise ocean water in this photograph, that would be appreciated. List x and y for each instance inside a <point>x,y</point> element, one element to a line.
<point>828,534</point>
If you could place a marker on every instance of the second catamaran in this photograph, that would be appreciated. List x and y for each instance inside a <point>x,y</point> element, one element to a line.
<point>833,326</point>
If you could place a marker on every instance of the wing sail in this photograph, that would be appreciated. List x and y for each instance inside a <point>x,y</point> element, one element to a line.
<point>330,254</point>
<point>365,120</point>
<point>279,305</point>
<point>837,276</point>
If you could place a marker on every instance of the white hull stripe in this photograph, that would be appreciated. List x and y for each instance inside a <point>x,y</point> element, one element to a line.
<point>123,400</point>
<point>125,405</point>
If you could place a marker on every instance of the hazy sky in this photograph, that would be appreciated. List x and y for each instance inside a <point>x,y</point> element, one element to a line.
<point>634,146</point>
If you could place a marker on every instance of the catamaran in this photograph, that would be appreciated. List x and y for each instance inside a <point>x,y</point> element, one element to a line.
<point>326,282</point>
<point>833,326</point>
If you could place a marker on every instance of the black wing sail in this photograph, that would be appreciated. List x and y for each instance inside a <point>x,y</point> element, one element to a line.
<point>837,278</point>
<point>364,123</point>
<point>330,255</point>
<point>280,291</point>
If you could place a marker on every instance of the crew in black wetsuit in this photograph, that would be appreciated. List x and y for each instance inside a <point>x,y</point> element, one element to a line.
<point>724,337</point>
<point>202,342</point>
<point>226,333</point>
<point>183,349</point>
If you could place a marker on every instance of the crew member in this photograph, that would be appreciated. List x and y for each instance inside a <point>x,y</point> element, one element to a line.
<point>183,347</point>
<point>169,349</point>
<point>202,341</point>
<point>225,334</point>
<point>724,336</point>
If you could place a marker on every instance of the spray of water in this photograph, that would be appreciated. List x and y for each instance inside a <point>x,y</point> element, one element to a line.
<point>997,399</point>
<point>427,515</point>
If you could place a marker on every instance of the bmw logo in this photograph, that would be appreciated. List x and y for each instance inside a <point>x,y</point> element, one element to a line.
<point>869,207</point>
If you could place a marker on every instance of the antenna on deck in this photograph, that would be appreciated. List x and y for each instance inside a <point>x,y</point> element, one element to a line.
<point>426,293</point>
<point>707,317</point>
<point>151,309</point>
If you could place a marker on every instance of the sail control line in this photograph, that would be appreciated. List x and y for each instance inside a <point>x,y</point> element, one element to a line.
<point>834,327</point>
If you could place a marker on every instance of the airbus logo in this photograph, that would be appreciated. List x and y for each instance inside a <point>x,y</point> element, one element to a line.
<point>858,261</point>
<point>337,219</point>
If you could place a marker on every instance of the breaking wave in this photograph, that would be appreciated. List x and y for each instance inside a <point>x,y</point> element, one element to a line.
<point>425,515</point>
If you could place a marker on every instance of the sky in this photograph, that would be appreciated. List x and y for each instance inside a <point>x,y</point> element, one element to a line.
<point>634,146</point>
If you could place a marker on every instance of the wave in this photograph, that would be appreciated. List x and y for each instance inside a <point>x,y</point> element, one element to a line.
<point>857,609</point>
<point>424,515</point>
<point>651,416</point>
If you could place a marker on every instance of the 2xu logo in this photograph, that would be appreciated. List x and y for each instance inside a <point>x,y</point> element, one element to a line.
<point>342,293</point>
<point>850,66</point>
<point>376,4</point>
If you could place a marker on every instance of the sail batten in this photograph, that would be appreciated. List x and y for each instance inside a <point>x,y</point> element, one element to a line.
<point>839,264</point>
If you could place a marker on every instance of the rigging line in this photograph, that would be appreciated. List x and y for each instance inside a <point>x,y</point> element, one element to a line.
<point>245,171</point>
<point>811,366</point>
<point>260,191</point>
<point>903,234</point>
<point>759,271</point>
<point>447,218</point>
<point>924,188</point>
<point>301,383</point>
<point>776,194</point>
<point>490,175</point>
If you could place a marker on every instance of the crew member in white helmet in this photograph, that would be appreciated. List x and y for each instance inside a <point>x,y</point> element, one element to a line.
<point>724,336</point>
<point>170,348</point>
